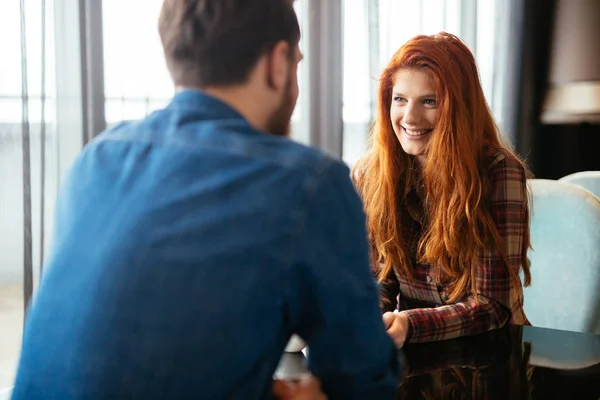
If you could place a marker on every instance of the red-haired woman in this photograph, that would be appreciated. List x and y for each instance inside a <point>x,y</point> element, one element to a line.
<point>446,199</point>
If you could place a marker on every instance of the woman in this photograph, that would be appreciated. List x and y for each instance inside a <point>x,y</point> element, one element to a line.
<point>446,199</point>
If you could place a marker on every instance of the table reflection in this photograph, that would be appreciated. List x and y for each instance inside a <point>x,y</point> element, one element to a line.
<point>490,366</point>
<point>511,363</point>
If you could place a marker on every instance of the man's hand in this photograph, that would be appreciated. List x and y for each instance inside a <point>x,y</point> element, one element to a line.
<point>308,388</point>
<point>396,325</point>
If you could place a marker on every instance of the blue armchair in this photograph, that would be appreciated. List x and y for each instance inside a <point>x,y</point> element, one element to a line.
<point>565,260</point>
<point>589,180</point>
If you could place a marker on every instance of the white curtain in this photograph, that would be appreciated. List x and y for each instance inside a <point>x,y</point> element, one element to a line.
<point>137,82</point>
<point>28,162</point>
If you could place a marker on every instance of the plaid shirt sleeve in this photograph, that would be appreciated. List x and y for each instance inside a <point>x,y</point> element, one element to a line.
<point>508,208</point>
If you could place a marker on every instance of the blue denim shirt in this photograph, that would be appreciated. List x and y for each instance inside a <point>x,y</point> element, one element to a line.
<point>188,247</point>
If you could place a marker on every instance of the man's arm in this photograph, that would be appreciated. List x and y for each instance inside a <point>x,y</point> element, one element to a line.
<point>333,294</point>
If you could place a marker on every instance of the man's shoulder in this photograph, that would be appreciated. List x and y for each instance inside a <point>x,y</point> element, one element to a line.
<point>232,136</point>
<point>299,155</point>
<point>230,144</point>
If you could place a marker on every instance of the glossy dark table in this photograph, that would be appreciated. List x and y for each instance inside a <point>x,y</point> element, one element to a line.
<point>512,363</point>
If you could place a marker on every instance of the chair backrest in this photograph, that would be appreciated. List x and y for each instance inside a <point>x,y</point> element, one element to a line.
<point>589,180</point>
<point>565,260</point>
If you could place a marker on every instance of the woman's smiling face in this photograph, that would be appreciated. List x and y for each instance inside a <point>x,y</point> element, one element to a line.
<point>413,110</point>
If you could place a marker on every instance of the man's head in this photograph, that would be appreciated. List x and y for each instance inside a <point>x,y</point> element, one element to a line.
<point>244,51</point>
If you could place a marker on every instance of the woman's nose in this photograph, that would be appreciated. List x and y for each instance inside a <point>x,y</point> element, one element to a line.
<point>412,115</point>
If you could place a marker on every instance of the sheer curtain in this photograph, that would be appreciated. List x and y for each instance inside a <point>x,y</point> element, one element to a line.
<point>136,80</point>
<point>375,29</point>
<point>28,162</point>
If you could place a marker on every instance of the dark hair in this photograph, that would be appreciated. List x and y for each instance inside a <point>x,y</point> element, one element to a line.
<point>218,42</point>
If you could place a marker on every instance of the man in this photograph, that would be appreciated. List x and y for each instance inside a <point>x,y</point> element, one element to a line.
<point>191,245</point>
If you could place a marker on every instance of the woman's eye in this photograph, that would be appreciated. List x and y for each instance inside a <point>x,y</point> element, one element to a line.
<point>399,99</point>
<point>429,102</point>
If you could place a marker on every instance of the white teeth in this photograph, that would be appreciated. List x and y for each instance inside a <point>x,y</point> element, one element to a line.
<point>417,133</point>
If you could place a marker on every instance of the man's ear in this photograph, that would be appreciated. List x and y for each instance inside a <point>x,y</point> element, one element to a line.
<point>278,64</point>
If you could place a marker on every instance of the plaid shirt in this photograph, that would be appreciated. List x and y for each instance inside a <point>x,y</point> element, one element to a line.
<point>424,301</point>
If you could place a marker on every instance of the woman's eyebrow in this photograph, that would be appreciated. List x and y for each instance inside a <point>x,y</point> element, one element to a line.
<point>428,96</point>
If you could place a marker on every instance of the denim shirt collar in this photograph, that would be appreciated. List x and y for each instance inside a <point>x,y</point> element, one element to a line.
<point>201,102</point>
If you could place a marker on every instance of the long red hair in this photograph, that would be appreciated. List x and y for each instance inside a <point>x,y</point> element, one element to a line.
<point>459,225</point>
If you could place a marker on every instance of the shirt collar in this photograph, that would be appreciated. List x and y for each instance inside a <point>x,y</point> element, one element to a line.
<point>199,101</point>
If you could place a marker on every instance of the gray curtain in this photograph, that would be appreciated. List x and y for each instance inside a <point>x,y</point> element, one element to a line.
<point>39,129</point>
<point>527,74</point>
<point>325,80</point>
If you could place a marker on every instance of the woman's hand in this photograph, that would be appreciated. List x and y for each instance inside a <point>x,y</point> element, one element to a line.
<point>396,325</point>
<point>308,388</point>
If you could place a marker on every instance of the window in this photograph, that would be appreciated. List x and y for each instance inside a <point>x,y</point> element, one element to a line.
<point>374,30</point>
<point>39,112</point>
<point>137,82</point>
